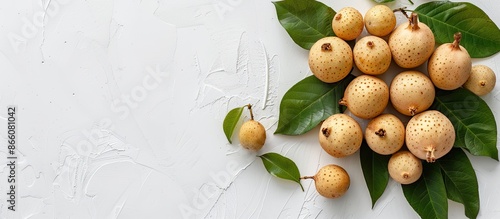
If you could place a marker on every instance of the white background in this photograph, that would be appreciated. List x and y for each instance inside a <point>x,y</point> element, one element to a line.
<point>121,103</point>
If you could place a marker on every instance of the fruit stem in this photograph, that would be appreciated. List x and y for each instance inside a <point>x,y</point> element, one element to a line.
<point>430,154</point>
<point>381,132</point>
<point>482,83</point>
<point>414,21</point>
<point>326,132</point>
<point>413,111</point>
<point>338,17</point>
<point>307,177</point>
<point>456,43</point>
<point>343,102</point>
<point>370,44</point>
<point>326,47</point>
<point>249,106</point>
<point>405,175</point>
<point>402,10</point>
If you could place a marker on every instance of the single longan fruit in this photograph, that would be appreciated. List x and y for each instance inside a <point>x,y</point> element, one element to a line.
<point>330,59</point>
<point>430,135</point>
<point>450,65</point>
<point>372,55</point>
<point>252,135</point>
<point>411,92</point>
<point>404,167</point>
<point>385,134</point>
<point>380,20</point>
<point>411,43</point>
<point>340,135</point>
<point>348,23</point>
<point>366,96</point>
<point>481,81</point>
<point>332,181</point>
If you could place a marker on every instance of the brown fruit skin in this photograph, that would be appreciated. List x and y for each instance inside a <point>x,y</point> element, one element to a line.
<point>372,55</point>
<point>380,20</point>
<point>366,96</point>
<point>252,135</point>
<point>411,92</point>
<point>385,134</point>
<point>430,135</point>
<point>404,167</point>
<point>481,81</point>
<point>348,23</point>
<point>330,59</point>
<point>340,135</point>
<point>332,181</point>
<point>449,66</point>
<point>411,45</point>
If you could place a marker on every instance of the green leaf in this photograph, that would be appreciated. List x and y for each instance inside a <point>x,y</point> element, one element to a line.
<point>474,123</point>
<point>427,196</point>
<point>480,35</point>
<point>460,180</point>
<point>309,102</point>
<point>375,171</point>
<point>306,21</point>
<point>230,122</point>
<point>281,167</point>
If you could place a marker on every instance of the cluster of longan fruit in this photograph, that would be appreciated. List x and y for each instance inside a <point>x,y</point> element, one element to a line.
<point>429,134</point>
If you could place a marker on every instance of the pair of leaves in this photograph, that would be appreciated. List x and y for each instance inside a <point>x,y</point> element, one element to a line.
<point>309,102</point>
<point>452,177</point>
<point>276,164</point>
<point>480,35</point>
<point>308,21</point>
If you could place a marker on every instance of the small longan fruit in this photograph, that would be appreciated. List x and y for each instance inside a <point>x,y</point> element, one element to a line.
<point>366,96</point>
<point>380,20</point>
<point>385,134</point>
<point>404,167</point>
<point>330,59</point>
<point>372,55</point>
<point>348,23</point>
<point>252,135</point>
<point>481,81</point>
<point>331,181</point>
<point>340,135</point>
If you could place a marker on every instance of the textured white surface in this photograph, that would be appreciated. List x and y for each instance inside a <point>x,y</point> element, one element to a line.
<point>121,106</point>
